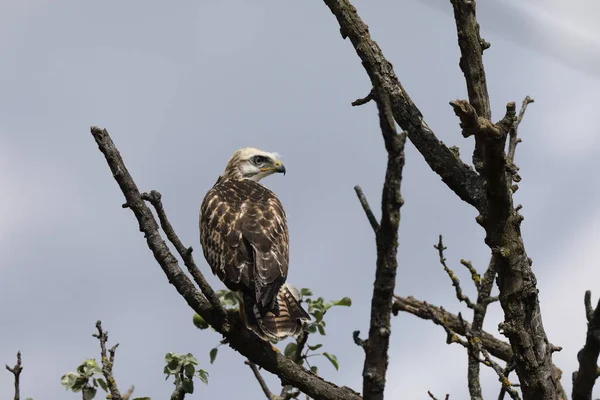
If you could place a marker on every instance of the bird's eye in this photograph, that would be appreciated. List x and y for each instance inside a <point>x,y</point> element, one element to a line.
<point>260,159</point>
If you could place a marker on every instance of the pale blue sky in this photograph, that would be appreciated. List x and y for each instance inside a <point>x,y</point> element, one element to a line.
<point>180,87</point>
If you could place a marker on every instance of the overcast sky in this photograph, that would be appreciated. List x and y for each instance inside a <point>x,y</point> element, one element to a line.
<point>181,87</point>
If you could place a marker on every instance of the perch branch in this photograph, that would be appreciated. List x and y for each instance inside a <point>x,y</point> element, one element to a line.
<point>239,338</point>
<point>376,347</point>
<point>154,198</point>
<point>585,378</point>
<point>16,371</point>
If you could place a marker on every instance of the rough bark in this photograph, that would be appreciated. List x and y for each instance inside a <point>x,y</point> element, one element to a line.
<point>585,378</point>
<point>386,233</point>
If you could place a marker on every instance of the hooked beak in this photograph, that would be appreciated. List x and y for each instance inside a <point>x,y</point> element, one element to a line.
<point>279,167</point>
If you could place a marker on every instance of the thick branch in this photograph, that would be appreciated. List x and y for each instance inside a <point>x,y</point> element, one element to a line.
<point>16,371</point>
<point>240,339</point>
<point>517,284</point>
<point>459,177</point>
<point>471,63</point>
<point>376,349</point>
<point>585,378</point>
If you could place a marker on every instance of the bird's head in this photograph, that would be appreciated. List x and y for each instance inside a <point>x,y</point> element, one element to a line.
<point>253,164</point>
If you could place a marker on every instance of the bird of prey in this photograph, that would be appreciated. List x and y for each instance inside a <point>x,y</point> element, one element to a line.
<point>244,238</point>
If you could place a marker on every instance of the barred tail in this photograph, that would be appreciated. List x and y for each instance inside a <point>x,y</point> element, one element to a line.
<point>269,326</point>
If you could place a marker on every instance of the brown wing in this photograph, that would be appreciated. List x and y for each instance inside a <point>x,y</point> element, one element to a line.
<point>244,237</point>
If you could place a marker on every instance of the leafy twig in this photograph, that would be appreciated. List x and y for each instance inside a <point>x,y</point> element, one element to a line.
<point>16,371</point>
<point>107,361</point>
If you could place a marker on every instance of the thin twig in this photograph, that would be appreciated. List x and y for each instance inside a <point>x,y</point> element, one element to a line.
<point>476,347</point>
<point>16,371</point>
<point>154,198</point>
<point>514,140</point>
<point>364,100</point>
<point>367,208</point>
<point>261,381</point>
<point>435,398</point>
<point>455,281</point>
<point>108,361</point>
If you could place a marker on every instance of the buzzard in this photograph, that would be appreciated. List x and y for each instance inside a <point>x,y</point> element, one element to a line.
<point>244,238</point>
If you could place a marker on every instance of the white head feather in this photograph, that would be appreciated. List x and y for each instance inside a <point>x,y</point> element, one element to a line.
<point>254,164</point>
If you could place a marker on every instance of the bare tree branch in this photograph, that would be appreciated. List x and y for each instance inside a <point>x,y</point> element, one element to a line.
<point>154,198</point>
<point>585,378</point>
<point>376,346</point>
<point>108,360</point>
<point>455,281</point>
<point>261,381</point>
<point>459,177</point>
<point>239,338</point>
<point>514,139</point>
<point>471,63</point>
<point>16,371</point>
<point>441,317</point>
<point>435,398</point>
<point>365,205</point>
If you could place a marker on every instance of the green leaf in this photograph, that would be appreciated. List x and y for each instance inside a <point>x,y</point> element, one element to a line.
<point>333,359</point>
<point>102,384</point>
<point>189,358</point>
<point>203,375</point>
<point>318,314</point>
<point>189,370</point>
<point>346,302</point>
<point>174,366</point>
<point>321,329</point>
<point>188,385</point>
<point>314,369</point>
<point>213,354</point>
<point>68,379</point>
<point>306,292</point>
<point>311,328</point>
<point>142,398</point>
<point>89,393</point>
<point>315,347</point>
<point>290,350</point>
<point>79,384</point>
<point>199,322</point>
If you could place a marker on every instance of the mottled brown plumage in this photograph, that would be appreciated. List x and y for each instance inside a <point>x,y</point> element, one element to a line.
<point>244,238</point>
